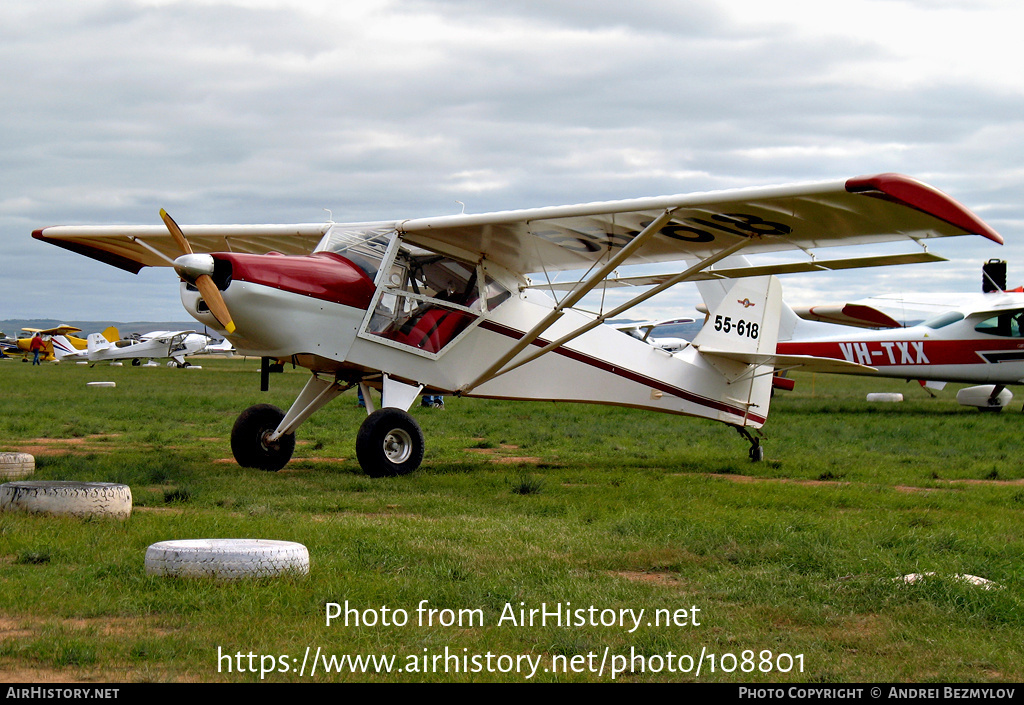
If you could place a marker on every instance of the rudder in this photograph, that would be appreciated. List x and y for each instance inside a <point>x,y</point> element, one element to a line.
<point>742,328</point>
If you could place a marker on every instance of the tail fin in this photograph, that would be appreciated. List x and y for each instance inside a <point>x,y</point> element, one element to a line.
<point>96,342</point>
<point>62,347</point>
<point>111,334</point>
<point>742,329</point>
<point>713,292</point>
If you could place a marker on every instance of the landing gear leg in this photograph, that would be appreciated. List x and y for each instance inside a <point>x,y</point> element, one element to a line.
<point>993,399</point>
<point>756,452</point>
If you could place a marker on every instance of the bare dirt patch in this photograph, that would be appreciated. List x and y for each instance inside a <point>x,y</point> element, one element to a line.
<point>58,446</point>
<point>502,456</point>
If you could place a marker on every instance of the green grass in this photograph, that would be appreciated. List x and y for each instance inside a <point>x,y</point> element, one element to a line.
<point>521,503</point>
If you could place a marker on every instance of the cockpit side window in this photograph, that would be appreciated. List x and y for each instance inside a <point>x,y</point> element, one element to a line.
<point>427,300</point>
<point>1006,325</point>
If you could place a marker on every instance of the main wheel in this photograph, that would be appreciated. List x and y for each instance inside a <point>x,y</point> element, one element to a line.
<point>389,442</point>
<point>756,453</point>
<point>249,439</point>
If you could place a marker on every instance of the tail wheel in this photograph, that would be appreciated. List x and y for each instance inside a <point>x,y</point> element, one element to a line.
<point>389,443</point>
<point>249,442</point>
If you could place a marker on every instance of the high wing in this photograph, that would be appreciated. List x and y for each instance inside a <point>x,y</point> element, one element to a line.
<point>901,310</point>
<point>62,329</point>
<point>132,247</point>
<point>854,315</point>
<point>164,335</point>
<point>867,209</point>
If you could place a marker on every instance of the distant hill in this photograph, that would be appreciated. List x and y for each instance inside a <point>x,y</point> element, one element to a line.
<point>13,326</point>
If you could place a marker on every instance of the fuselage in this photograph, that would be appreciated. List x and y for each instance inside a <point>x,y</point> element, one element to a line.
<point>442,323</point>
<point>964,345</point>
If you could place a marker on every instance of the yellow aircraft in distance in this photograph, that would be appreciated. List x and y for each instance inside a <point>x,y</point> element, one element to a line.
<point>48,333</point>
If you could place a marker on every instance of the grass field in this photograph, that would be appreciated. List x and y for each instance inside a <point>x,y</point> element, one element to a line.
<point>791,567</point>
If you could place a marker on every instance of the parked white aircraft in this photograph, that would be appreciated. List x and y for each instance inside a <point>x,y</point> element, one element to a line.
<point>641,330</point>
<point>175,345</point>
<point>444,304</point>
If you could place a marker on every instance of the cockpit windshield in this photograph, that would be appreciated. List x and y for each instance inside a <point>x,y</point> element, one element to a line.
<point>943,319</point>
<point>364,246</point>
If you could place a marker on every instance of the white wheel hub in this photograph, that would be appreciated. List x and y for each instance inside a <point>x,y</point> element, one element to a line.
<point>398,445</point>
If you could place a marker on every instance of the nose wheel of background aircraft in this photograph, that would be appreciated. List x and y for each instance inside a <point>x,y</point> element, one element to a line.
<point>389,442</point>
<point>249,436</point>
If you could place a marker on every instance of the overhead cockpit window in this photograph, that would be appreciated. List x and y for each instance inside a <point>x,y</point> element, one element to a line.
<point>1006,325</point>
<point>364,246</point>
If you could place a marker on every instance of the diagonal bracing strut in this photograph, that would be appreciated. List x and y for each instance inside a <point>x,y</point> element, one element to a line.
<point>582,288</point>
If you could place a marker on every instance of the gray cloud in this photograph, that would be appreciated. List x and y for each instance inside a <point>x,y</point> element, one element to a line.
<point>264,111</point>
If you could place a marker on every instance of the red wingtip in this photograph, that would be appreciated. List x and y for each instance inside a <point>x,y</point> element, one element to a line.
<point>925,198</point>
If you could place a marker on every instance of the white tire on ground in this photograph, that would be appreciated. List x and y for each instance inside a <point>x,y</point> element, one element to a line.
<point>61,497</point>
<point>14,466</point>
<point>227,559</point>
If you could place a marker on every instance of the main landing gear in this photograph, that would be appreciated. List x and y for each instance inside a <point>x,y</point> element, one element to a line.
<point>756,452</point>
<point>389,442</point>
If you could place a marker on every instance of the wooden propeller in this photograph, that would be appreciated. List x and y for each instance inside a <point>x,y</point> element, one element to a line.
<point>204,282</point>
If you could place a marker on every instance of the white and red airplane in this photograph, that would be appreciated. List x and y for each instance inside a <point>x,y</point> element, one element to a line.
<point>109,346</point>
<point>444,304</point>
<point>967,338</point>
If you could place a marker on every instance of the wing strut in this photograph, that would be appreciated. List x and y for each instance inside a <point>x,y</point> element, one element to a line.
<point>500,368</point>
<point>581,289</point>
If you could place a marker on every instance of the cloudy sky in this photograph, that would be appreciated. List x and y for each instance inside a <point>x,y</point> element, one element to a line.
<point>248,111</point>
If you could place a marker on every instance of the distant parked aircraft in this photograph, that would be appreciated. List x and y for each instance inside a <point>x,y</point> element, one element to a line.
<point>175,345</point>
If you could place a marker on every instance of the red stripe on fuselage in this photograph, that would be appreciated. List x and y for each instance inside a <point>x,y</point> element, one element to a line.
<point>903,353</point>
<point>629,374</point>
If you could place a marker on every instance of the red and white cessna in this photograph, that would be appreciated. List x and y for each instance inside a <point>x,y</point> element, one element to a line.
<point>969,338</point>
<point>444,304</point>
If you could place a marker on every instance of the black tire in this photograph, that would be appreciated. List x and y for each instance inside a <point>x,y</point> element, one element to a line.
<point>389,443</point>
<point>248,439</point>
<point>136,362</point>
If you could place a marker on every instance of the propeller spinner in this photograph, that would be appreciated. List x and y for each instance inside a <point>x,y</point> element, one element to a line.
<point>197,269</point>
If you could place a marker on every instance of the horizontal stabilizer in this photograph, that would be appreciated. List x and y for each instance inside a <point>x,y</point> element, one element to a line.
<point>808,363</point>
